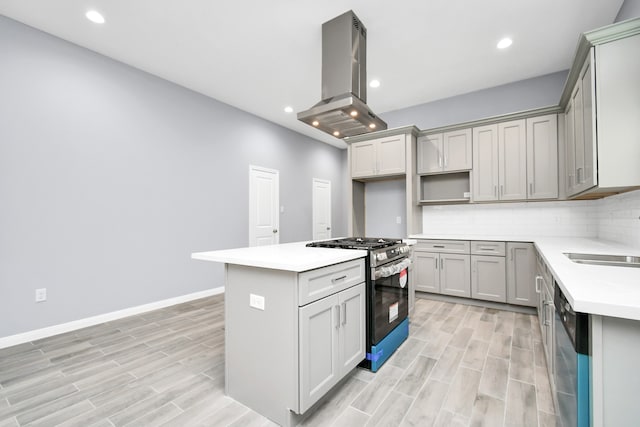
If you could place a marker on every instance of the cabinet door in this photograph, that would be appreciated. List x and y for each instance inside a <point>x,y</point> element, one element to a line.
<point>319,354</point>
<point>587,176</point>
<point>542,157</point>
<point>391,155</point>
<point>363,159</point>
<point>429,151</point>
<point>578,137</point>
<point>485,163</point>
<point>488,280</point>
<point>352,328</point>
<point>512,157</point>
<point>457,150</point>
<point>521,285</point>
<point>427,277</point>
<point>455,275</point>
<point>570,150</point>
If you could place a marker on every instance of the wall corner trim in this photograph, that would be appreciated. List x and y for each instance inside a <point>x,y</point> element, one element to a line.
<point>49,331</point>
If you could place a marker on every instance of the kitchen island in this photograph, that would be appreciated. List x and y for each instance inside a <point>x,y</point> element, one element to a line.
<point>294,324</point>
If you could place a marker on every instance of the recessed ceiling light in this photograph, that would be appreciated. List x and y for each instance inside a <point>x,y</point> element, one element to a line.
<point>315,123</point>
<point>504,43</point>
<point>288,109</point>
<point>353,113</point>
<point>372,125</point>
<point>336,133</point>
<point>374,83</point>
<point>95,17</point>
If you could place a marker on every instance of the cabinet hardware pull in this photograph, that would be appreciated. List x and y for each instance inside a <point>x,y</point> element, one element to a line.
<point>275,230</point>
<point>531,188</point>
<point>336,279</point>
<point>437,262</point>
<point>441,263</point>
<point>501,190</point>
<point>337,316</point>
<point>328,228</point>
<point>485,248</point>
<point>344,313</point>
<point>579,177</point>
<point>495,191</point>
<point>446,161</point>
<point>439,161</point>
<point>512,249</point>
<point>538,278</point>
<point>439,246</point>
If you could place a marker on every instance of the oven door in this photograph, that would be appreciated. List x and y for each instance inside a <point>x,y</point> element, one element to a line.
<point>388,298</point>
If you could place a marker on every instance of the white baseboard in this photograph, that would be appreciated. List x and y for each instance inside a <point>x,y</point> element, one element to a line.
<point>37,334</point>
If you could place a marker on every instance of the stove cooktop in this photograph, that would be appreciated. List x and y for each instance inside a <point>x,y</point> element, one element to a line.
<point>369,243</point>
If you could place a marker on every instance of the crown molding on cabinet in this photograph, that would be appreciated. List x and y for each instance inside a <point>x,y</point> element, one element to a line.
<point>404,130</point>
<point>617,31</point>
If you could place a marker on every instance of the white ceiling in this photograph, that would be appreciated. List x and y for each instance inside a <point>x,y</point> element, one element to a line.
<point>261,56</point>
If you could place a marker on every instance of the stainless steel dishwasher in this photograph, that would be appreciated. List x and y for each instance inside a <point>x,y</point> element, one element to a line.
<point>572,363</point>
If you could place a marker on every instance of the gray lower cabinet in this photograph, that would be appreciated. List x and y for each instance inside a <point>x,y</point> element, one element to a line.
<point>488,278</point>
<point>454,275</point>
<point>442,273</point>
<point>521,264</point>
<point>546,311</point>
<point>332,342</point>
<point>427,276</point>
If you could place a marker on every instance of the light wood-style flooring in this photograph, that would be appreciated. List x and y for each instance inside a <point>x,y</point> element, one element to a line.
<point>461,366</point>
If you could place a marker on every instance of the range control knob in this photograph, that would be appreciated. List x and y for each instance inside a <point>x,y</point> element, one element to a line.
<point>404,249</point>
<point>381,256</point>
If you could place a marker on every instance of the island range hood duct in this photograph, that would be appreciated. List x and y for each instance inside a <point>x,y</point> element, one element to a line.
<point>343,111</point>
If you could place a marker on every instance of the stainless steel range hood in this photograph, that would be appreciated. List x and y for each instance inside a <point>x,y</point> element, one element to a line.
<point>343,110</point>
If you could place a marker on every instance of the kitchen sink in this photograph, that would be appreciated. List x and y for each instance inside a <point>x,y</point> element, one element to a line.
<point>608,260</point>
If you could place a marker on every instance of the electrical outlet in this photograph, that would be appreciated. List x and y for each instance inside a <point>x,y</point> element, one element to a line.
<point>41,295</point>
<point>398,220</point>
<point>256,301</point>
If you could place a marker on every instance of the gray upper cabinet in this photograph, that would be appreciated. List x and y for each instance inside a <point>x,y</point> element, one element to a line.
<point>378,157</point>
<point>516,160</point>
<point>485,163</point>
<point>580,148</point>
<point>601,113</point>
<point>521,265</point>
<point>444,152</point>
<point>542,157</point>
<point>488,278</point>
<point>512,160</point>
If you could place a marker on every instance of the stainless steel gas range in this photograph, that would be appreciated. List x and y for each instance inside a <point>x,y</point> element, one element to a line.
<point>387,294</point>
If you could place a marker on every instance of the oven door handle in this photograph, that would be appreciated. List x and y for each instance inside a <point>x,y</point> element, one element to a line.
<point>391,269</point>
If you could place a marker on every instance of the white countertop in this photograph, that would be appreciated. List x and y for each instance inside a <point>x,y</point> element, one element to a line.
<point>289,256</point>
<point>603,290</point>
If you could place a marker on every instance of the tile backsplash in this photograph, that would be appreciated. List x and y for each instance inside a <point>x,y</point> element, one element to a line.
<point>615,218</point>
<point>619,218</point>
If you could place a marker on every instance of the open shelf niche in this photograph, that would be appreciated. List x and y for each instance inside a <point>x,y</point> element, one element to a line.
<point>444,188</point>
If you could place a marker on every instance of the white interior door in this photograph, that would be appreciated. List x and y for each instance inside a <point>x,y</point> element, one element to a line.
<point>264,200</point>
<point>321,196</point>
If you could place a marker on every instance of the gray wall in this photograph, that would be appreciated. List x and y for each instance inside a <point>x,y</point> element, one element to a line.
<point>384,201</point>
<point>111,177</point>
<point>629,9</point>
<point>527,94</point>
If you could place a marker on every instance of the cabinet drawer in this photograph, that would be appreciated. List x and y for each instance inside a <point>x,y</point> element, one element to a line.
<point>322,282</point>
<point>445,246</point>
<point>488,248</point>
